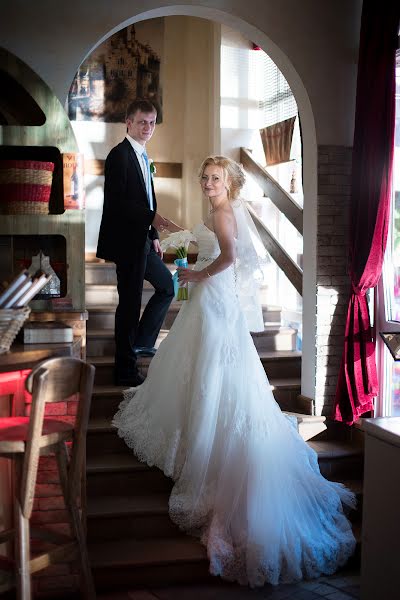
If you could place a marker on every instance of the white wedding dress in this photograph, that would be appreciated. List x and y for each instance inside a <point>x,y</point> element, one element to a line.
<point>245,481</point>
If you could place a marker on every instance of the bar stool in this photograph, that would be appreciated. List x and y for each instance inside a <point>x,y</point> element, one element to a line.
<point>23,440</point>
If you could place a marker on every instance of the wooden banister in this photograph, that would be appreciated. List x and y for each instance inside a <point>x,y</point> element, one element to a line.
<point>278,253</point>
<point>273,190</point>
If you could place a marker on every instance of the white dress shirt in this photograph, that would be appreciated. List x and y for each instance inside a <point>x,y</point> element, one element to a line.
<point>139,149</point>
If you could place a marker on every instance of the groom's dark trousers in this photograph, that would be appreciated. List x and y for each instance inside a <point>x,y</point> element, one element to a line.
<point>126,238</point>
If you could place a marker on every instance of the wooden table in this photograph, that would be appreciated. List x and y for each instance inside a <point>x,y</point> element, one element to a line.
<point>26,356</point>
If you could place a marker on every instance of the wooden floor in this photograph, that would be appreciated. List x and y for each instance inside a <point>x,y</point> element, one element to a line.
<point>342,586</point>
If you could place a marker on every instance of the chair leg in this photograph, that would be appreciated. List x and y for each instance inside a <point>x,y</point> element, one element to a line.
<point>22,554</point>
<point>87,584</point>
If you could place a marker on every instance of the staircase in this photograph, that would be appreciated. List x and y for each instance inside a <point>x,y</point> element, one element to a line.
<point>132,542</point>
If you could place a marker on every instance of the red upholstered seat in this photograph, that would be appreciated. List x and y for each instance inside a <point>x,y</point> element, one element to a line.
<point>15,429</point>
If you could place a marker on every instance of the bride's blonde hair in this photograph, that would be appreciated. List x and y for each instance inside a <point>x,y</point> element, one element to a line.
<point>233,173</point>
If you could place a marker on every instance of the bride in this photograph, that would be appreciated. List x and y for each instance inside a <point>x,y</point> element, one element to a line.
<point>245,481</point>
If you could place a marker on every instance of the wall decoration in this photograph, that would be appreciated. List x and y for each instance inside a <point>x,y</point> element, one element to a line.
<point>74,192</point>
<point>124,67</point>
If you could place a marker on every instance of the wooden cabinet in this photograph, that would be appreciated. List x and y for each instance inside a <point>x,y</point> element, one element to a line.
<point>380,548</point>
<point>34,126</point>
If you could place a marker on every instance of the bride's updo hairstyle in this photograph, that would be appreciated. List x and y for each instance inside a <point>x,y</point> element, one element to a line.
<point>234,177</point>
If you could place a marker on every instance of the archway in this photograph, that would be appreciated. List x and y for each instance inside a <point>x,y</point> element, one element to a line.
<point>265,41</point>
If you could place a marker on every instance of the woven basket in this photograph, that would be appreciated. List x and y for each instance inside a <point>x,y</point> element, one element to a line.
<point>25,186</point>
<point>11,321</point>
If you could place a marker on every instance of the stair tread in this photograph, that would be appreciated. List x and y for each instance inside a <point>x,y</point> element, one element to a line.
<point>100,425</point>
<point>285,382</point>
<point>109,333</point>
<point>145,504</point>
<point>324,448</point>
<point>336,448</point>
<point>176,304</point>
<point>269,329</point>
<point>304,418</point>
<point>142,553</point>
<point>276,383</point>
<point>108,390</point>
<point>263,354</point>
<point>104,463</point>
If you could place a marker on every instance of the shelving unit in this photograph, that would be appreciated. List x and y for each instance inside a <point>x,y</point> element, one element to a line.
<point>48,140</point>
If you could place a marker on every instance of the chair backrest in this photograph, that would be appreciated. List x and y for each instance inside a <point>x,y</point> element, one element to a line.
<point>55,380</point>
<point>64,378</point>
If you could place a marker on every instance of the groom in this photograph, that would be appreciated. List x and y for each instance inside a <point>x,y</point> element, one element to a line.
<point>128,236</point>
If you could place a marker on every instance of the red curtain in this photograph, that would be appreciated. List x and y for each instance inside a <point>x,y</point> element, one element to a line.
<point>370,201</point>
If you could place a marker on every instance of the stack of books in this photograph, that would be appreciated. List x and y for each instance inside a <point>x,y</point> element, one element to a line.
<point>47,332</point>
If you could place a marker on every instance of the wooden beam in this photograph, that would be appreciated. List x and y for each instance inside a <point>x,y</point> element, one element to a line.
<point>95,166</point>
<point>278,253</point>
<point>273,190</point>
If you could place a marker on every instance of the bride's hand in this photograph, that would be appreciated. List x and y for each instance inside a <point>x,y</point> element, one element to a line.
<point>186,275</point>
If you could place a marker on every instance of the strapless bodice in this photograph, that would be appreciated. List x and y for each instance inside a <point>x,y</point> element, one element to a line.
<point>207,242</point>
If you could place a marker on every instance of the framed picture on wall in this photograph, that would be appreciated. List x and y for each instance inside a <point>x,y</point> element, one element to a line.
<point>124,67</point>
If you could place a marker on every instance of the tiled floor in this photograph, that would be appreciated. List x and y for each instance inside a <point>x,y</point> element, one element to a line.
<point>336,587</point>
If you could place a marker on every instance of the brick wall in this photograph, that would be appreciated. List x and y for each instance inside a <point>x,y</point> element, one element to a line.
<point>333,285</point>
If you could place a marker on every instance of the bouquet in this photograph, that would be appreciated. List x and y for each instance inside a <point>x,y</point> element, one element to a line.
<point>180,241</point>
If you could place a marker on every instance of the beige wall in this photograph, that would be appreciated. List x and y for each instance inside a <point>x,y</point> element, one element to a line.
<point>186,135</point>
<point>313,39</point>
<point>190,82</point>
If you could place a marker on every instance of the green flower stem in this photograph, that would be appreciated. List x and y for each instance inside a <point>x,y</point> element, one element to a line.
<point>182,293</point>
<point>181,252</point>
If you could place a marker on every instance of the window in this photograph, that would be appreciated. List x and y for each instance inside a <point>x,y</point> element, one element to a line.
<point>388,297</point>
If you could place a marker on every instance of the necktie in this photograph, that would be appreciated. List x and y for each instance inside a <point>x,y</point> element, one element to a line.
<point>148,180</point>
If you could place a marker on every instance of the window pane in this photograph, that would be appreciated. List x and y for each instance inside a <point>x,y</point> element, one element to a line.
<point>394,235</point>
<point>395,409</point>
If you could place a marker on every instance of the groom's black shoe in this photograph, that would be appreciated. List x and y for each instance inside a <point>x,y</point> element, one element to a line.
<point>129,380</point>
<point>144,351</point>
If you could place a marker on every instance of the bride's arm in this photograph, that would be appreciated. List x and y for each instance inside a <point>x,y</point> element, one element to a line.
<point>172,227</point>
<point>224,227</point>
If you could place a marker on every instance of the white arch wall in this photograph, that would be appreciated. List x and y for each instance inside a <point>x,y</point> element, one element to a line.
<point>314,44</point>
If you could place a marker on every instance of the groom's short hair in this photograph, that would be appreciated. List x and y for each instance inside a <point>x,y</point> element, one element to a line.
<point>139,104</point>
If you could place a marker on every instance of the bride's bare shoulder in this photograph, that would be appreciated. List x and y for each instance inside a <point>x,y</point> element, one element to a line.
<point>225,218</point>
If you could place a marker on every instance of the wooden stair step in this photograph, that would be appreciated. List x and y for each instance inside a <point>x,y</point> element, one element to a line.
<point>274,337</point>
<point>141,554</point>
<point>339,459</point>
<point>106,399</point>
<point>122,563</point>
<point>308,425</point>
<point>102,315</point>
<point>127,505</point>
<point>120,473</point>
<point>278,364</point>
<point>111,463</point>
<point>327,449</point>
<point>137,516</point>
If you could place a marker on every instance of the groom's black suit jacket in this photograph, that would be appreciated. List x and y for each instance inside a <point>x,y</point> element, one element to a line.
<point>126,215</point>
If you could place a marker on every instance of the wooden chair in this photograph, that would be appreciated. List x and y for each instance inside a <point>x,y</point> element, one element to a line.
<point>24,440</point>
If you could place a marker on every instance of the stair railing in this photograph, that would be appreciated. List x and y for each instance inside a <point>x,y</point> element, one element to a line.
<point>285,203</point>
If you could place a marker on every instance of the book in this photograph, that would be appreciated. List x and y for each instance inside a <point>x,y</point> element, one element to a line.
<point>12,288</point>
<point>23,289</point>
<point>37,284</point>
<point>74,196</point>
<point>47,332</point>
